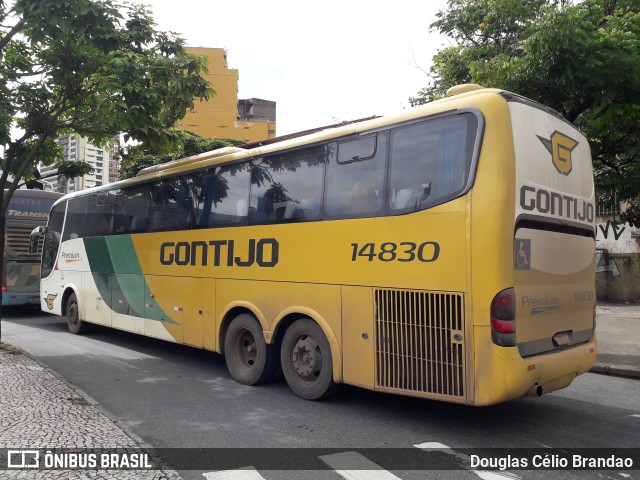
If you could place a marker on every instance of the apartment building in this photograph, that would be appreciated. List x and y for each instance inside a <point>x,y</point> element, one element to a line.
<point>76,148</point>
<point>224,116</point>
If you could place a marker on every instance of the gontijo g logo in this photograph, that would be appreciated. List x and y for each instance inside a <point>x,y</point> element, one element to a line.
<point>50,298</point>
<point>560,147</point>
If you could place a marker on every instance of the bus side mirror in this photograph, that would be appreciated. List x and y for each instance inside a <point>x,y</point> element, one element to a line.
<point>35,238</point>
<point>426,192</point>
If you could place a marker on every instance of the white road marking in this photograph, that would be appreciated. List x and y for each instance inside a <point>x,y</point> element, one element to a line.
<point>245,473</point>
<point>483,474</point>
<point>365,468</point>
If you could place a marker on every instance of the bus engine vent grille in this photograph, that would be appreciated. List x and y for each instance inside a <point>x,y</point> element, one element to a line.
<point>419,341</point>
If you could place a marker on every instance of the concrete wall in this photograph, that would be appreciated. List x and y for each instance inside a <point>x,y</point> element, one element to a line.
<point>617,262</point>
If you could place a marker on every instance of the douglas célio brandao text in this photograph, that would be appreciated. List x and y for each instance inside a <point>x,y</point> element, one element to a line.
<point>552,461</point>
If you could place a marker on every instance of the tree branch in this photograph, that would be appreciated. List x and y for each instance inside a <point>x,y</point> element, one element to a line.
<point>7,38</point>
<point>578,109</point>
<point>21,171</point>
<point>415,63</point>
<point>612,165</point>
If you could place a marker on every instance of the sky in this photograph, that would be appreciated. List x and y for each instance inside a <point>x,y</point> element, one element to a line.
<point>321,62</point>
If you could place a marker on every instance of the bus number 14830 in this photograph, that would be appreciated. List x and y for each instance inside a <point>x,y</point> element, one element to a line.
<point>396,252</point>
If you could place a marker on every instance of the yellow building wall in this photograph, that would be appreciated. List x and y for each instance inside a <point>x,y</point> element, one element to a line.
<point>218,117</point>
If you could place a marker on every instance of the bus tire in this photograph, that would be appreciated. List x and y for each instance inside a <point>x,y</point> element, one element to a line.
<point>306,360</point>
<point>249,359</point>
<point>74,324</point>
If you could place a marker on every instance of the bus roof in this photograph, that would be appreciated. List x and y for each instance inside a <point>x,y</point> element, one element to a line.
<point>301,139</point>
<point>35,193</point>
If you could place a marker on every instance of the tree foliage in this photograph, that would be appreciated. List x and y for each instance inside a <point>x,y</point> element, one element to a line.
<point>580,58</point>
<point>93,67</point>
<point>137,157</point>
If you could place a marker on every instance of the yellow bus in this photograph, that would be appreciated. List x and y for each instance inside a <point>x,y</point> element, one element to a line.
<point>446,252</point>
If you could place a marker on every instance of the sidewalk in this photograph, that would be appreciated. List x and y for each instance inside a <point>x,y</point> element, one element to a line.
<point>618,334</point>
<point>41,410</point>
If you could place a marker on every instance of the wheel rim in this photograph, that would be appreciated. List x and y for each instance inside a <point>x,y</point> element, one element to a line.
<point>306,358</point>
<point>245,349</point>
<point>72,314</point>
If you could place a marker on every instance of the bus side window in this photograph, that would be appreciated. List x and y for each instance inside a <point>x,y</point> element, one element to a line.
<point>99,215</point>
<point>355,179</point>
<point>429,162</point>
<point>288,187</point>
<point>222,196</point>
<point>171,204</point>
<point>120,224</point>
<point>135,206</point>
<point>101,225</point>
<point>77,223</point>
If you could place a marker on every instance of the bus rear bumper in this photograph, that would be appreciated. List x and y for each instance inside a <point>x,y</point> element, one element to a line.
<point>10,299</point>
<point>510,376</point>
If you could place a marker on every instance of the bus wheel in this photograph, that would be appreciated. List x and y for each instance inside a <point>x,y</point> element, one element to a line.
<point>74,324</point>
<point>249,359</point>
<point>306,360</point>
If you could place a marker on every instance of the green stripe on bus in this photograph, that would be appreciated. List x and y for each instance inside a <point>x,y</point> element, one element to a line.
<point>98,255</point>
<point>116,256</point>
<point>128,273</point>
<point>123,254</point>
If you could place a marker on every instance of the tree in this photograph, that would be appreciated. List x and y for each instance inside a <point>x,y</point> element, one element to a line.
<point>582,59</point>
<point>137,157</point>
<point>93,67</point>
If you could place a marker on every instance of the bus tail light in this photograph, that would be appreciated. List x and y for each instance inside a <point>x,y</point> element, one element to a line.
<point>4,276</point>
<point>503,318</point>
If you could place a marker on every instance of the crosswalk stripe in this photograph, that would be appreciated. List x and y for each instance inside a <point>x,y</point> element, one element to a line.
<point>483,474</point>
<point>245,473</point>
<point>362,467</point>
<point>486,475</point>
<point>365,469</point>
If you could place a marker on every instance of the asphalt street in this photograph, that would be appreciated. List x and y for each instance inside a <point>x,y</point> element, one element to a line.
<point>175,396</point>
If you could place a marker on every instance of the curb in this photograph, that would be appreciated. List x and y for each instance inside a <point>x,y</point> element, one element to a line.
<point>620,370</point>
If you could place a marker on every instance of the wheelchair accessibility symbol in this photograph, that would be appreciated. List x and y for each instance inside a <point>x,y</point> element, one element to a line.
<point>522,250</point>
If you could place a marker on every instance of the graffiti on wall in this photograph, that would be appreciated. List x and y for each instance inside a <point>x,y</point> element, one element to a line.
<point>605,264</point>
<point>616,227</point>
<point>617,237</point>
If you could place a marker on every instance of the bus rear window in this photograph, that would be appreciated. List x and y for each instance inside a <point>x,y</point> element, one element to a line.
<point>430,162</point>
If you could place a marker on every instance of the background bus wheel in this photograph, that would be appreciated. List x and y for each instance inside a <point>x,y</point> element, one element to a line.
<point>249,359</point>
<point>74,324</point>
<point>306,360</point>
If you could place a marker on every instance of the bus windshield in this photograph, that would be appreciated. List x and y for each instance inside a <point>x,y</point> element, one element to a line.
<point>21,269</point>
